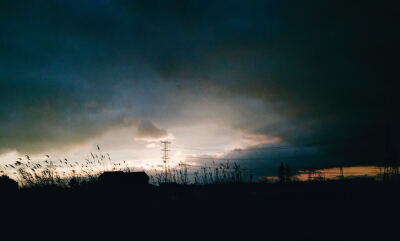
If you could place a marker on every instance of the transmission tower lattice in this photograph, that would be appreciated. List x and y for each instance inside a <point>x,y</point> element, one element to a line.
<point>165,156</point>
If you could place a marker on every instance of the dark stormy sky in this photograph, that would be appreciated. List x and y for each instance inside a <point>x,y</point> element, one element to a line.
<point>306,82</point>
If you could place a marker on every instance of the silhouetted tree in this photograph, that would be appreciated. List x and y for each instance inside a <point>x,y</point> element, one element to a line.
<point>281,172</point>
<point>288,173</point>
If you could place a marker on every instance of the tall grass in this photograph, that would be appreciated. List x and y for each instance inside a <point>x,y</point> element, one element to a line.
<point>62,172</point>
<point>223,173</point>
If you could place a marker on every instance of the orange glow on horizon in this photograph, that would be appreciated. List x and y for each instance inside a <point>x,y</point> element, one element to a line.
<point>334,173</point>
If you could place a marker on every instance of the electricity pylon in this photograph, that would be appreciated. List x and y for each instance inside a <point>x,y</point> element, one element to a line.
<point>165,157</point>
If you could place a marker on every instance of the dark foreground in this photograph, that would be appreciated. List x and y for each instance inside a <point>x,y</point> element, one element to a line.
<point>340,210</point>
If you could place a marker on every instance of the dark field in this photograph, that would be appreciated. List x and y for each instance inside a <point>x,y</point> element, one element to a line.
<point>350,209</point>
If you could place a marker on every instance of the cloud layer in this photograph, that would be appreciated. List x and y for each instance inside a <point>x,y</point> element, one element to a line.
<point>307,73</point>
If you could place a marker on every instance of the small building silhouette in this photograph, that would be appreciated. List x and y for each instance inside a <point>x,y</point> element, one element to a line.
<point>7,184</point>
<point>125,179</point>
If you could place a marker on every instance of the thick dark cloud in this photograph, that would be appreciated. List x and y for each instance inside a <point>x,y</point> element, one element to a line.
<point>148,131</point>
<point>322,70</point>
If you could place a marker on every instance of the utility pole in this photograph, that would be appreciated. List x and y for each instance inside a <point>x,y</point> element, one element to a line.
<point>165,157</point>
